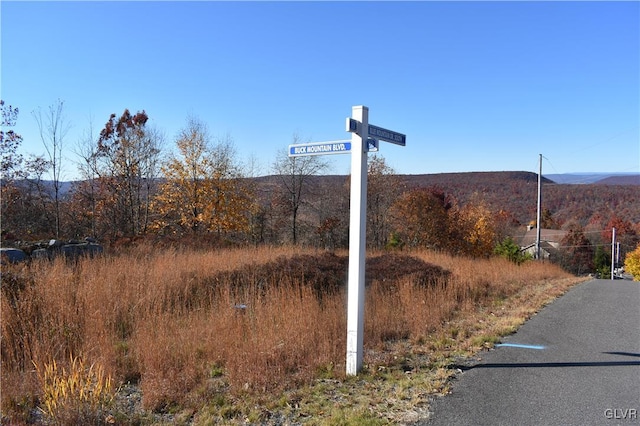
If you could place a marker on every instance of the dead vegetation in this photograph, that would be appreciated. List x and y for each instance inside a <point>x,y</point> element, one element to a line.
<point>255,335</point>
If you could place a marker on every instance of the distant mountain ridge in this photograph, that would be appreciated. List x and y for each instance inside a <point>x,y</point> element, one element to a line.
<point>443,179</point>
<point>511,192</point>
<point>595,178</point>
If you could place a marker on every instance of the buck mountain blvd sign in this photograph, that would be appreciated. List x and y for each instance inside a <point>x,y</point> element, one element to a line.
<point>320,148</point>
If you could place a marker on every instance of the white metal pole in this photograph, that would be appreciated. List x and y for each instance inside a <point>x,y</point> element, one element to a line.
<point>613,251</point>
<point>357,242</point>
<point>539,210</point>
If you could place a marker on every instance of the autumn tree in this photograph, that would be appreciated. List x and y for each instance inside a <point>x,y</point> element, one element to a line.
<point>626,235</point>
<point>295,175</point>
<point>10,141</point>
<point>547,220</point>
<point>25,200</point>
<point>576,251</point>
<point>505,224</point>
<point>127,164</point>
<point>476,230</point>
<point>53,129</point>
<point>421,218</point>
<point>10,169</point>
<point>26,212</point>
<point>203,190</point>
<point>632,263</point>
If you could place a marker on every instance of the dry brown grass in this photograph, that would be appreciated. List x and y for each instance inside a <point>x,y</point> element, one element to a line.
<point>171,321</point>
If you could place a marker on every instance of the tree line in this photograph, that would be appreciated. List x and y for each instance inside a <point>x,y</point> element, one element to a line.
<point>130,189</point>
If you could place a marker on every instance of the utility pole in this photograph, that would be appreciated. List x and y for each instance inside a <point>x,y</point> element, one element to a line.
<point>613,252</point>
<point>539,211</point>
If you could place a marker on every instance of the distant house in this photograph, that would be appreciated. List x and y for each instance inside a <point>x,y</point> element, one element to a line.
<point>549,242</point>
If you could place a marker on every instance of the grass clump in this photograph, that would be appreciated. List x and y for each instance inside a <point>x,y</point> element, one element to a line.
<point>77,394</point>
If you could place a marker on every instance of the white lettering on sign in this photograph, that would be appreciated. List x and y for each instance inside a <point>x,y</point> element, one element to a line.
<point>387,135</point>
<point>320,148</point>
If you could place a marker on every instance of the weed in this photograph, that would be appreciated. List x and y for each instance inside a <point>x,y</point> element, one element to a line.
<point>349,418</point>
<point>80,394</point>
<point>216,371</point>
<point>485,340</point>
<point>326,371</point>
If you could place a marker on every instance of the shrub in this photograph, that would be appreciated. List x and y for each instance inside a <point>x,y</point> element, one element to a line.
<point>511,251</point>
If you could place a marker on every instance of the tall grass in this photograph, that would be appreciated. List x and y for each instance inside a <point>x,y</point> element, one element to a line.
<point>169,322</point>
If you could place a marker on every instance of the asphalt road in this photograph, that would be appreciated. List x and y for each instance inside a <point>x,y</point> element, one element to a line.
<point>577,362</point>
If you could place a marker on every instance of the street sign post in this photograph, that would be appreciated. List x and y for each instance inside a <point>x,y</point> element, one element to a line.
<point>357,242</point>
<point>364,139</point>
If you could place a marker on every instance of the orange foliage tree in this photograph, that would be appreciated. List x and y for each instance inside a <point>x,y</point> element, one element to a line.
<point>421,218</point>
<point>475,225</point>
<point>203,191</point>
<point>626,235</point>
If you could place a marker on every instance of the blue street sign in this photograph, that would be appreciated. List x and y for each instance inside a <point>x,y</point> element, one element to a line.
<point>320,148</point>
<point>387,135</point>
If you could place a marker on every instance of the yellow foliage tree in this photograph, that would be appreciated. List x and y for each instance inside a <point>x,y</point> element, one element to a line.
<point>203,190</point>
<point>476,226</point>
<point>632,263</point>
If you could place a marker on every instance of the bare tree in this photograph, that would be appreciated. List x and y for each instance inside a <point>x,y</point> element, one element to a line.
<point>53,129</point>
<point>86,191</point>
<point>383,187</point>
<point>37,204</point>
<point>295,174</point>
<point>331,208</point>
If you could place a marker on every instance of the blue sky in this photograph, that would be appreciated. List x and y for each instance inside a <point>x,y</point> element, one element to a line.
<point>475,86</point>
